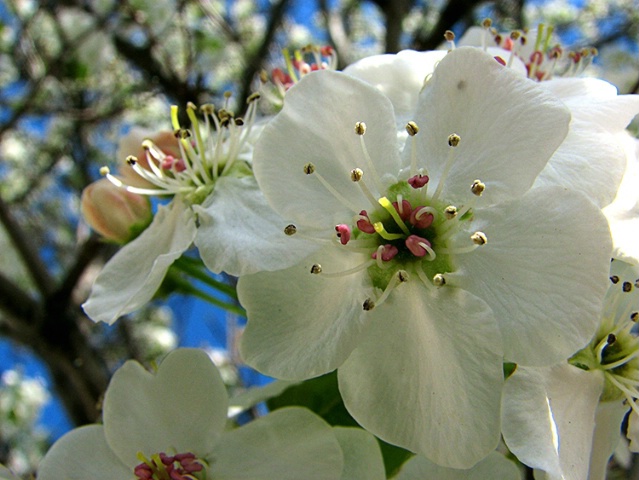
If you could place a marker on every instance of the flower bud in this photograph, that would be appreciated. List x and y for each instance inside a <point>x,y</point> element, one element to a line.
<point>116,214</point>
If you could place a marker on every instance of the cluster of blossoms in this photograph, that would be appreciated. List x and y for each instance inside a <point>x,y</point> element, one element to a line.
<point>414,222</point>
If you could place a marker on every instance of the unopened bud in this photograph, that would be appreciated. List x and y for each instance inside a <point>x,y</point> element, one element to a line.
<point>115,213</point>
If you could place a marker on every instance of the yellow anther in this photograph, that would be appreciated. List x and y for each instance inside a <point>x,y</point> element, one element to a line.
<point>479,238</point>
<point>290,230</point>
<point>412,128</point>
<point>356,174</point>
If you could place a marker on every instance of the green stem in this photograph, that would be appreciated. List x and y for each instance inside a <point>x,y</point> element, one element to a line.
<point>193,268</point>
<point>186,287</point>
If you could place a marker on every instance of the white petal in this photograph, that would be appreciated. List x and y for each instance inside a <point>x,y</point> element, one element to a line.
<point>399,77</point>
<point>302,325</point>
<point>608,418</point>
<point>317,125</point>
<point>287,444</point>
<point>180,409</point>
<point>81,454</point>
<point>362,456</point>
<point>494,466</point>
<point>543,272</point>
<point>623,213</point>
<point>592,159</point>
<point>131,278</point>
<point>427,375</point>
<point>509,126</point>
<point>240,234</point>
<point>572,90</point>
<point>548,418</point>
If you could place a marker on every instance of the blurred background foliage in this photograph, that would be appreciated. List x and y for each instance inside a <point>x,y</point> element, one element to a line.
<point>76,75</point>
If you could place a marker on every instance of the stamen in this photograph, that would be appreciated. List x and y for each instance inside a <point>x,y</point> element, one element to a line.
<point>368,304</point>
<point>479,238</point>
<point>364,223</point>
<point>450,38</point>
<point>420,247</point>
<point>309,169</point>
<point>477,188</point>
<point>388,206</point>
<point>453,141</point>
<point>357,176</point>
<point>290,230</point>
<point>418,181</point>
<point>350,271</point>
<point>384,253</point>
<point>360,130</point>
<point>343,233</point>
<point>514,36</point>
<point>622,361</point>
<point>450,212</point>
<point>195,125</point>
<point>423,217</point>
<point>439,280</point>
<point>401,276</point>
<point>413,129</point>
<point>487,23</point>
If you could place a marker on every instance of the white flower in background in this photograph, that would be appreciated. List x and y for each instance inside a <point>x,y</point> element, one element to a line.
<point>591,159</point>
<point>171,426</point>
<point>216,204</point>
<point>423,269</point>
<point>566,419</point>
<point>623,212</point>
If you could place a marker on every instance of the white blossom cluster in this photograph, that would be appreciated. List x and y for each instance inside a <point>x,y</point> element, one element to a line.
<point>438,227</point>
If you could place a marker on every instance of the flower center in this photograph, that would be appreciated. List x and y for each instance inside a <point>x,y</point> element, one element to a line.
<point>407,229</point>
<point>542,57</point>
<point>183,466</point>
<point>300,63</point>
<point>207,152</point>
<point>615,348</point>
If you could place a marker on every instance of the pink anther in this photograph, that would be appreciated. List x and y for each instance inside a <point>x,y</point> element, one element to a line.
<point>364,223</point>
<point>537,57</point>
<point>421,217</point>
<point>388,252</point>
<point>500,60</point>
<point>417,245</point>
<point>343,233</point>
<point>418,181</point>
<point>404,209</point>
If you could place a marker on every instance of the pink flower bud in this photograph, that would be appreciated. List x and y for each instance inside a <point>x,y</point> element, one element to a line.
<point>116,214</point>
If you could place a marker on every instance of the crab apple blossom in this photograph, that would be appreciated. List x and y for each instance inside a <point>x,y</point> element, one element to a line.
<point>215,203</point>
<point>424,266</point>
<point>565,420</point>
<point>592,157</point>
<point>171,425</point>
